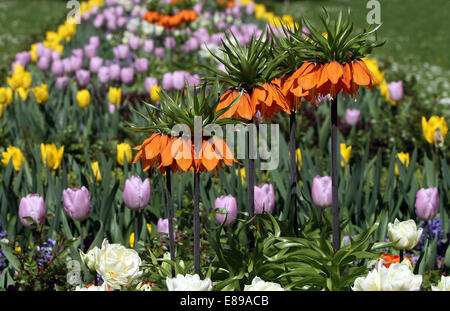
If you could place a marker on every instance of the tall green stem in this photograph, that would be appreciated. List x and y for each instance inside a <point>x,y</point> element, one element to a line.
<point>251,180</point>
<point>293,171</point>
<point>334,174</point>
<point>170,217</point>
<point>196,222</point>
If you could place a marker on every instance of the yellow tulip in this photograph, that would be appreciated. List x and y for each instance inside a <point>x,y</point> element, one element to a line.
<point>122,149</point>
<point>51,156</point>
<point>132,240</point>
<point>345,153</point>
<point>33,52</point>
<point>83,98</point>
<point>23,93</point>
<point>154,93</point>
<point>1,110</point>
<point>149,228</point>
<point>372,64</point>
<point>15,81</point>
<point>15,154</point>
<point>243,174</point>
<point>404,159</point>
<point>96,171</point>
<point>434,130</point>
<point>115,96</point>
<point>26,80</point>
<point>5,96</point>
<point>41,93</point>
<point>299,158</point>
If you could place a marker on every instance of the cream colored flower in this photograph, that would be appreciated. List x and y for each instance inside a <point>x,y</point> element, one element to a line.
<point>93,288</point>
<point>117,264</point>
<point>443,285</point>
<point>405,234</point>
<point>260,285</point>
<point>89,258</point>
<point>398,277</point>
<point>188,282</point>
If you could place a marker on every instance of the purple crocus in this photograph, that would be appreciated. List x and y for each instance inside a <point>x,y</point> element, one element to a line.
<point>77,203</point>
<point>33,206</point>
<point>136,193</point>
<point>264,198</point>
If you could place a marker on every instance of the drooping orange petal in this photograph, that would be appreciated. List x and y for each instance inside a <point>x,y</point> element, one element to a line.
<point>209,156</point>
<point>153,148</point>
<point>360,76</point>
<point>334,71</point>
<point>166,153</point>
<point>183,154</point>
<point>224,152</point>
<point>245,110</point>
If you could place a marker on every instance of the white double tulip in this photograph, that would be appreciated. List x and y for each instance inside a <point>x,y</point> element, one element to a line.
<point>405,234</point>
<point>398,277</point>
<point>89,258</point>
<point>188,282</point>
<point>260,285</point>
<point>443,285</point>
<point>117,264</point>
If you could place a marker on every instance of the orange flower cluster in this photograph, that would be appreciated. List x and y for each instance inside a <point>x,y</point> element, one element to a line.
<point>311,80</point>
<point>267,98</point>
<point>390,259</point>
<point>169,21</point>
<point>178,154</point>
<point>228,3</point>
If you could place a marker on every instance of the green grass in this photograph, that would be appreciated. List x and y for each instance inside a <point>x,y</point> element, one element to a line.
<point>24,22</point>
<point>414,30</point>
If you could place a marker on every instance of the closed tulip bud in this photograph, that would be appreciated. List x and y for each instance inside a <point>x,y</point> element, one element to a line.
<point>44,63</point>
<point>322,191</point>
<point>352,116</point>
<point>41,93</point>
<point>103,75</point>
<point>58,68</point>
<point>98,21</point>
<point>149,46</point>
<point>123,150</point>
<point>396,90</point>
<point>96,170</point>
<point>345,153</point>
<point>77,53</point>
<point>227,210</point>
<point>135,42</point>
<point>51,157</point>
<point>89,258</point>
<point>6,96</point>
<point>14,154</point>
<point>404,234</point>
<point>264,198</point>
<point>170,43</point>
<point>127,75</point>
<point>160,53</point>
<point>404,159</point>
<point>76,63</point>
<point>178,80</point>
<point>115,96</point>
<point>83,98</point>
<point>122,51</point>
<point>427,203</point>
<point>136,193</point>
<point>90,51</point>
<point>114,72</point>
<point>33,206</point>
<point>149,82</point>
<point>141,65</point>
<point>61,82</point>
<point>154,93</point>
<point>167,81</point>
<point>77,203</point>
<point>95,63</point>
<point>83,77</point>
<point>94,41</point>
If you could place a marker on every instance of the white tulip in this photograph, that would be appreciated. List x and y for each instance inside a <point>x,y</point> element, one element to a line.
<point>443,285</point>
<point>405,234</point>
<point>260,285</point>
<point>89,258</point>
<point>398,277</point>
<point>188,282</point>
<point>117,264</point>
<point>93,288</point>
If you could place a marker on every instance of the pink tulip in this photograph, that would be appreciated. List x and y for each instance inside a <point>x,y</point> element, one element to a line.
<point>149,46</point>
<point>352,116</point>
<point>160,53</point>
<point>61,82</point>
<point>136,193</point>
<point>95,63</point>
<point>127,75</point>
<point>228,205</point>
<point>396,90</point>
<point>321,191</point>
<point>103,75</point>
<point>135,42</point>
<point>33,206</point>
<point>264,198</point>
<point>44,63</point>
<point>162,226</point>
<point>141,65</point>
<point>90,51</point>
<point>149,82</point>
<point>114,72</point>
<point>77,203</point>
<point>427,203</point>
<point>57,68</point>
<point>83,77</point>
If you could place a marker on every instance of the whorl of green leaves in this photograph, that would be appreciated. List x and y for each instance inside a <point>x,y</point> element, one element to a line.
<point>246,66</point>
<point>182,109</point>
<point>342,43</point>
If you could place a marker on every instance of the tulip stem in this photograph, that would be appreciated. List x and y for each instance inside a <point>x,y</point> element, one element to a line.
<point>136,228</point>
<point>170,217</point>
<point>81,237</point>
<point>293,168</point>
<point>401,256</point>
<point>196,222</point>
<point>334,173</point>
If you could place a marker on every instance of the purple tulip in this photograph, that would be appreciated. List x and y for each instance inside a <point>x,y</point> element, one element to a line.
<point>86,15</point>
<point>95,63</point>
<point>396,90</point>
<point>94,9</point>
<point>167,81</point>
<point>114,72</point>
<point>228,205</point>
<point>250,8</point>
<point>55,56</point>
<point>427,203</point>
<point>44,63</point>
<point>170,43</point>
<point>33,206</point>
<point>149,82</point>
<point>162,226</point>
<point>77,53</point>
<point>264,198</point>
<point>141,65</point>
<point>121,21</point>
<point>61,82</point>
<point>352,116</point>
<point>127,75</point>
<point>135,42</point>
<point>94,41</point>
<point>136,193</point>
<point>23,58</point>
<point>77,203</point>
<point>119,10</point>
<point>76,63</point>
<point>57,68</point>
<point>121,51</point>
<point>98,21</point>
<point>47,53</point>
<point>178,80</point>
<point>149,46</point>
<point>83,77</point>
<point>67,65</point>
<point>103,75</point>
<point>40,49</point>
<point>160,53</point>
<point>90,51</point>
<point>321,191</point>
